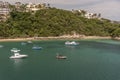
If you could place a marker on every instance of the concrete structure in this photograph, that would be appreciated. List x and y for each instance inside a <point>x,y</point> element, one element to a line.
<point>86,14</point>
<point>35,7</point>
<point>4,10</point>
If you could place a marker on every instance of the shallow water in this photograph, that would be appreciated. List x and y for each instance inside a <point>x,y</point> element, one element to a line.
<point>91,60</point>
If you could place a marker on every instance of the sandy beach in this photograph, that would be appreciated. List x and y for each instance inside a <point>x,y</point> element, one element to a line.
<point>56,38</point>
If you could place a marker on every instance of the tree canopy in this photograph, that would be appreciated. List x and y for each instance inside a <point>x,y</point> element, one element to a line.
<point>55,22</point>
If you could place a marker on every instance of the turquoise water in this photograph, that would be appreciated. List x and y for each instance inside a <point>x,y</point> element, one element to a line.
<point>91,60</point>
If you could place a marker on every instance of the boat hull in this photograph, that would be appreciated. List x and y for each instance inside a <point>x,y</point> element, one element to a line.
<point>18,57</point>
<point>61,57</point>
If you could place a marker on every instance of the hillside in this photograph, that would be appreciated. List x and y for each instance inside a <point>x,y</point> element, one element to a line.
<point>55,22</point>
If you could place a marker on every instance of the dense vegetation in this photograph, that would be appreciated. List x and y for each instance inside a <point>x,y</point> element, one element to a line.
<point>55,22</point>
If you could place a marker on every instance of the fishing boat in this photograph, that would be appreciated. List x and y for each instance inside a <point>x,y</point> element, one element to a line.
<point>17,55</point>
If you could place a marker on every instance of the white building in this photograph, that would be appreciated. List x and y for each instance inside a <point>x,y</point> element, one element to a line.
<point>34,7</point>
<point>86,14</point>
<point>89,15</point>
<point>4,10</point>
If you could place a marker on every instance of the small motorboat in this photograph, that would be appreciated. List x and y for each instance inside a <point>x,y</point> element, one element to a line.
<point>17,55</point>
<point>29,42</point>
<point>23,43</point>
<point>15,50</point>
<point>1,46</point>
<point>35,47</point>
<point>61,56</point>
<point>71,43</point>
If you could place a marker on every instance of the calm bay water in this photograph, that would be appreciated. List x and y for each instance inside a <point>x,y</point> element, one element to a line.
<point>91,60</point>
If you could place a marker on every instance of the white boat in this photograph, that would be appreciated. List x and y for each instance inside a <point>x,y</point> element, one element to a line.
<point>61,56</point>
<point>15,50</point>
<point>17,55</point>
<point>71,43</point>
<point>29,42</point>
<point>23,43</point>
<point>36,47</point>
<point>1,46</point>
